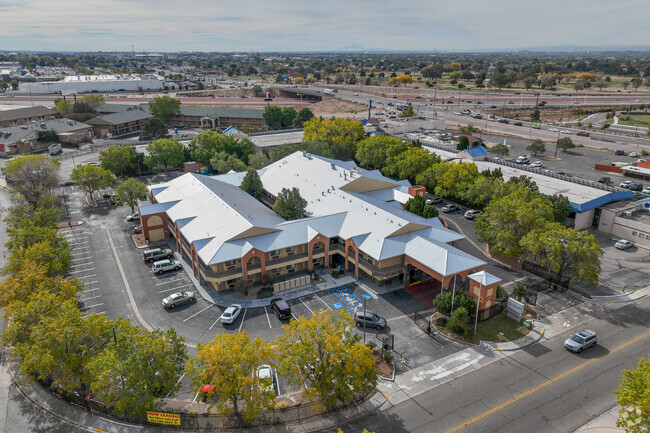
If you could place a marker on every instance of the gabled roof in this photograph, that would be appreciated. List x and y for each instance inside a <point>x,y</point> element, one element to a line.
<point>442,258</point>
<point>217,112</point>
<point>22,113</point>
<point>119,118</point>
<point>477,152</point>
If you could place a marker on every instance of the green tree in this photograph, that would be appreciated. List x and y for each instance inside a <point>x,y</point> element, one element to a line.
<point>52,254</point>
<point>164,107</point>
<point>136,367</point>
<point>289,204</point>
<point>14,84</point>
<point>373,152</point>
<point>252,183</point>
<point>119,159</point>
<point>636,83</point>
<point>304,114</point>
<point>454,178</point>
<point>418,206</point>
<point>91,178</point>
<point>257,91</point>
<point>482,191</point>
<point>535,115</point>
<point>130,192</point>
<point>272,116</point>
<point>463,143</point>
<point>258,160</point>
<point>48,136</point>
<point>226,364</point>
<point>224,163</point>
<point>33,176</point>
<point>536,147</point>
<point>508,219</point>
<point>443,302</point>
<point>407,112</point>
<point>500,150</point>
<point>410,163</point>
<point>565,251</point>
<point>633,396</point>
<point>458,321</point>
<point>166,152</point>
<point>289,114</point>
<point>520,291</point>
<point>206,145</point>
<point>153,129</point>
<point>524,181</point>
<point>561,207</point>
<point>565,144</point>
<point>324,355</point>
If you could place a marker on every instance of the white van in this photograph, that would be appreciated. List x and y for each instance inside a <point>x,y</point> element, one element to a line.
<point>524,159</point>
<point>55,148</point>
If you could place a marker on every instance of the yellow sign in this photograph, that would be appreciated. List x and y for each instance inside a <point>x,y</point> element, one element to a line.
<point>164,418</point>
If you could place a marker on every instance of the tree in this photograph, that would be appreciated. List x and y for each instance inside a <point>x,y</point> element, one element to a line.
<point>130,192</point>
<point>258,160</point>
<point>536,147</point>
<point>224,163</point>
<point>153,129</point>
<point>136,367</point>
<point>442,302</point>
<point>535,115</point>
<point>402,79</point>
<point>458,321</point>
<point>32,278</point>
<point>288,116</point>
<point>272,116</point>
<point>52,255</point>
<point>289,204</point>
<point>91,178</point>
<point>463,143</point>
<point>252,183</point>
<point>324,355</point>
<point>500,150</point>
<point>164,107</point>
<point>48,136</point>
<point>341,131</point>
<point>634,398</point>
<point>601,84</point>
<point>636,83</point>
<point>454,178</point>
<point>508,219</point>
<point>226,364</point>
<point>432,71</point>
<point>520,291</point>
<point>257,91</point>
<point>561,207</point>
<point>166,152</point>
<point>565,144</point>
<point>33,176</point>
<point>373,152</point>
<point>565,251</point>
<point>303,116</point>
<point>407,112</point>
<point>118,159</point>
<point>418,206</point>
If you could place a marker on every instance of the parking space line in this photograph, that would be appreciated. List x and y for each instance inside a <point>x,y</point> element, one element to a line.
<point>81,248</point>
<point>86,276</point>
<point>88,299</point>
<point>267,318</point>
<point>167,282</point>
<point>91,306</point>
<point>303,303</point>
<point>242,320</point>
<point>168,290</point>
<point>196,314</point>
<point>82,270</point>
<point>319,298</point>
<point>81,264</point>
<point>91,290</point>
<point>294,317</point>
<point>215,322</point>
<point>90,282</point>
<point>78,243</point>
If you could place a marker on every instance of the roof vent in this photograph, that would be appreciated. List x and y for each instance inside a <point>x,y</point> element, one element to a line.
<point>304,153</point>
<point>333,166</point>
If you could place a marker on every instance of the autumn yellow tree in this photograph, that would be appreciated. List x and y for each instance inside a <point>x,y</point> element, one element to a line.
<point>633,396</point>
<point>401,79</point>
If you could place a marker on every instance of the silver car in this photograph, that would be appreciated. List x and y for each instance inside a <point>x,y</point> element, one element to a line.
<point>581,340</point>
<point>178,298</point>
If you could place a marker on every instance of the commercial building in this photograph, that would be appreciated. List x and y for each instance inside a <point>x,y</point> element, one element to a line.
<point>219,117</point>
<point>24,138</point>
<point>354,220</point>
<point>23,116</point>
<point>94,83</point>
<point>119,124</point>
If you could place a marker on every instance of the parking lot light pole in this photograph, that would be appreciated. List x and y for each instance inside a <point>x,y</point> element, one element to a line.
<point>364,320</point>
<point>477,304</point>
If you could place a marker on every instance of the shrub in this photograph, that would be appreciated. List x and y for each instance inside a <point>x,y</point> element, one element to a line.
<point>443,302</point>
<point>441,322</point>
<point>501,293</point>
<point>371,344</point>
<point>520,291</point>
<point>388,356</point>
<point>335,273</point>
<point>458,321</point>
<point>265,292</point>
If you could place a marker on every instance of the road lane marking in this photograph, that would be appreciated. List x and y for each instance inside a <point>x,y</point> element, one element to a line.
<point>303,303</point>
<point>547,383</point>
<point>242,321</point>
<point>319,298</point>
<point>267,318</point>
<point>196,314</point>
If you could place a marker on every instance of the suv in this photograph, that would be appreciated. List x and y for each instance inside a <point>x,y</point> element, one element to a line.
<point>581,340</point>
<point>371,320</point>
<point>582,134</point>
<point>524,159</point>
<point>157,254</point>
<point>165,265</point>
<point>280,308</point>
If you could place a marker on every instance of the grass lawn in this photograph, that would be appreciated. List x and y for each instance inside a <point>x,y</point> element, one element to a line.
<point>498,329</point>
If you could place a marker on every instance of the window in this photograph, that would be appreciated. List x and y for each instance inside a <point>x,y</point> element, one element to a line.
<point>290,250</point>
<point>275,253</point>
<point>230,264</point>
<point>647,236</point>
<point>291,268</point>
<point>640,235</point>
<point>634,233</point>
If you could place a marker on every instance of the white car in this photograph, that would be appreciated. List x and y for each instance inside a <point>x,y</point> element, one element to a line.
<point>132,217</point>
<point>633,155</point>
<point>472,213</point>
<point>264,378</point>
<point>552,129</point>
<point>646,190</point>
<point>625,184</point>
<point>379,113</point>
<point>537,164</point>
<point>356,94</point>
<point>565,131</point>
<point>230,314</point>
<point>623,244</point>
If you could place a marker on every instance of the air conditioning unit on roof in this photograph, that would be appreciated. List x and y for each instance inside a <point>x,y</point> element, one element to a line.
<point>627,214</point>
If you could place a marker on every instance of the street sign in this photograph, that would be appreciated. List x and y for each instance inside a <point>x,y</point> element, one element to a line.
<point>515,309</point>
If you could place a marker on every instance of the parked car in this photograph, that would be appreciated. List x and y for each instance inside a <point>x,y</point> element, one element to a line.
<point>472,213</point>
<point>635,187</point>
<point>510,102</point>
<point>264,378</point>
<point>230,314</point>
<point>537,164</point>
<point>633,155</point>
<point>493,106</point>
<point>518,124</point>
<point>623,244</point>
<point>523,159</point>
<point>280,308</point>
<point>619,152</point>
<point>433,200</point>
<point>646,190</point>
<point>133,217</point>
<point>583,134</point>
<point>178,298</point>
<point>625,184</point>
<point>450,208</point>
<point>498,159</point>
<point>605,180</point>
<point>156,254</point>
<point>581,340</point>
<point>165,265</point>
<point>370,320</point>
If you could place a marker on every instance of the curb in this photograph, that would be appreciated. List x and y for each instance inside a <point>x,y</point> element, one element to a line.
<point>497,349</point>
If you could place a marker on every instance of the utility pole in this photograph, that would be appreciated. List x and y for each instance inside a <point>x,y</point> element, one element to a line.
<point>369,107</point>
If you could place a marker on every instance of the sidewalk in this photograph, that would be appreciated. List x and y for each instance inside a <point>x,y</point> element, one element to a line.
<point>605,423</point>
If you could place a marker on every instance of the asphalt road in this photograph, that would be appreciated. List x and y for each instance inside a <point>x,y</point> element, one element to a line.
<point>543,388</point>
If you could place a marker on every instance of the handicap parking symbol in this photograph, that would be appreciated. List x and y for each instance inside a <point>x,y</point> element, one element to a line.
<point>367,296</point>
<point>337,305</point>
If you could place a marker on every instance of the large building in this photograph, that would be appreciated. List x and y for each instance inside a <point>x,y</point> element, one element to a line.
<point>119,124</point>
<point>220,117</point>
<point>23,116</point>
<point>95,83</point>
<point>24,138</point>
<point>354,220</point>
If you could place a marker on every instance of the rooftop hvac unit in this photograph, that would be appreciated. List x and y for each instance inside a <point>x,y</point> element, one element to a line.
<point>627,214</point>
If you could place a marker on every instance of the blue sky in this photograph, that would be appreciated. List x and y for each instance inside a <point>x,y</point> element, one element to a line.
<point>308,25</point>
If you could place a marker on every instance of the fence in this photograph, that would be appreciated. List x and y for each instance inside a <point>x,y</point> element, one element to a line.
<point>422,322</point>
<point>276,131</point>
<point>427,144</point>
<point>201,422</point>
<point>554,280</point>
<point>95,147</point>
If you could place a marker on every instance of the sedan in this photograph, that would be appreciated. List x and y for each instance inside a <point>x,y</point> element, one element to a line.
<point>646,190</point>
<point>230,315</point>
<point>582,134</point>
<point>552,129</point>
<point>132,217</point>
<point>565,131</point>
<point>518,124</point>
<point>581,340</point>
<point>264,378</point>
<point>433,200</point>
<point>450,208</point>
<point>178,298</point>
<point>472,213</point>
<point>625,184</point>
<point>635,187</point>
<point>623,244</point>
<point>536,127</point>
<point>633,155</point>
<point>537,164</point>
